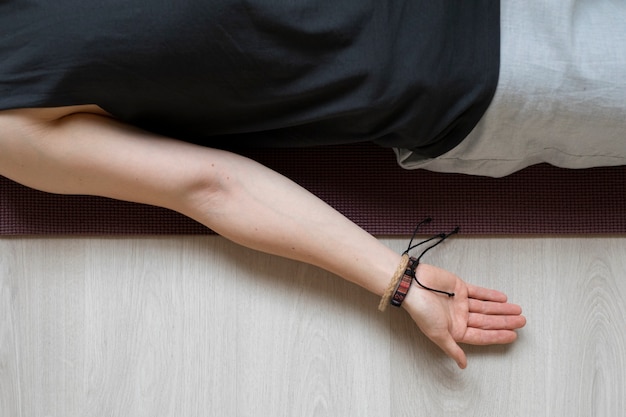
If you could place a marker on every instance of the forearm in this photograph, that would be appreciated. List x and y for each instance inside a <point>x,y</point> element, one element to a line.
<point>261,209</point>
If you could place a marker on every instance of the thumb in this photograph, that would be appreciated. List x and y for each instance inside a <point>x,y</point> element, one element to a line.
<point>453,350</point>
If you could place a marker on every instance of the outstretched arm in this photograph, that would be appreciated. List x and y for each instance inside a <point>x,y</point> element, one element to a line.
<point>245,202</point>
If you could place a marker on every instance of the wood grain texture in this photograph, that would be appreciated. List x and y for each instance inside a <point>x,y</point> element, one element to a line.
<point>197,326</point>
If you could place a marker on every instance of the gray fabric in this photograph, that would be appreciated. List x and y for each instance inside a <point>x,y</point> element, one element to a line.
<point>561,98</point>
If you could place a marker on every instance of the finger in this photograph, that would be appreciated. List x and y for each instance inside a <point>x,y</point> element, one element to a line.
<point>495,308</point>
<point>486,294</point>
<point>453,350</point>
<point>488,337</point>
<point>491,322</point>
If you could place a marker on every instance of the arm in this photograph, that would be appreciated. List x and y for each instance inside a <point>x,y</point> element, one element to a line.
<point>243,201</point>
<point>235,196</point>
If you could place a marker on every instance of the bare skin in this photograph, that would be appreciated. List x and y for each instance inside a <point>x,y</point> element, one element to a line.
<point>83,150</point>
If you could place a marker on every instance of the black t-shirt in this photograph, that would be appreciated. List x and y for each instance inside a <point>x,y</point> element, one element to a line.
<point>416,74</point>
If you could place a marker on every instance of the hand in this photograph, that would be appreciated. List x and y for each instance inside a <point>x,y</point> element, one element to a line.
<point>475,315</point>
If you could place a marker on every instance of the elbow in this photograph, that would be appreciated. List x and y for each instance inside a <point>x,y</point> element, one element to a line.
<point>210,191</point>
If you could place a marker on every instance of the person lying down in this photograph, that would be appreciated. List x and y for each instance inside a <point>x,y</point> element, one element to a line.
<point>147,102</point>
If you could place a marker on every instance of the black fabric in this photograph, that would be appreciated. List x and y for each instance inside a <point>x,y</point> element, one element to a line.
<point>416,74</point>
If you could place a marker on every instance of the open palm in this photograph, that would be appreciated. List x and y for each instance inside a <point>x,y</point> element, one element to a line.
<point>475,315</point>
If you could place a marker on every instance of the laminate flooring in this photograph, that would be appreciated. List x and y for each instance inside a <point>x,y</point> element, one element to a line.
<point>197,326</point>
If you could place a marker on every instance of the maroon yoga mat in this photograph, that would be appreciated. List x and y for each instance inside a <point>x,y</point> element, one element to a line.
<point>365,184</point>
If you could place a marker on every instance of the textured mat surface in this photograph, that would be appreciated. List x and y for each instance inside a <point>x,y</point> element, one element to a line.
<point>365,184</point>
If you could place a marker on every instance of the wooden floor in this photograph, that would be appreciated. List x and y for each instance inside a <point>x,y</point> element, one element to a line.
<point>196,326</point>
